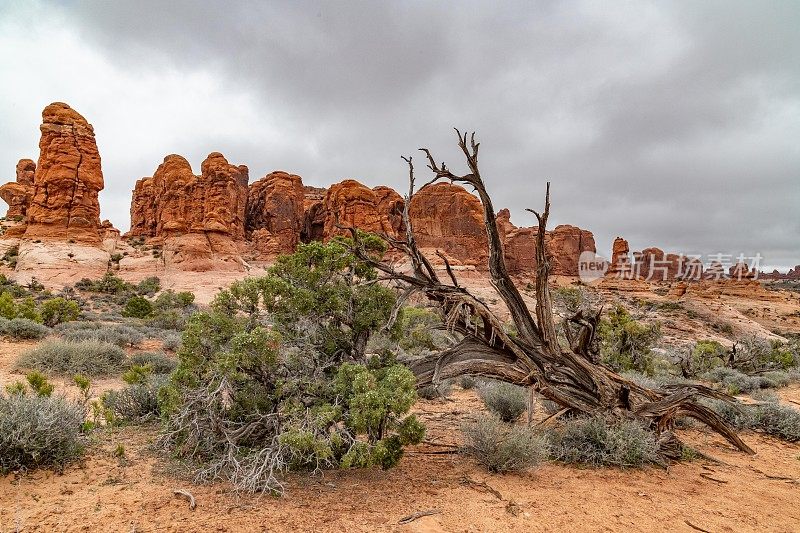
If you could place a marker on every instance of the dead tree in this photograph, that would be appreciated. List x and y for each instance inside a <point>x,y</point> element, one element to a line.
<point>569,376</point>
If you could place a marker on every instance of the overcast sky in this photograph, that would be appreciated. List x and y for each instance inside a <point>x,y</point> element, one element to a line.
<point>673,124</point>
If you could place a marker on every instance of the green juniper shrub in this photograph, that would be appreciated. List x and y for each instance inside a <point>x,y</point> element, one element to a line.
<point>39,431</point>
<point>148,286</point>
<point>57,310</point>
<point>283,356</point>
<point>67,358</point>
<point>505,400</point>
<point>594,441</point>
<point>138,307</point>
<point>417,326</point>
<point>704,356</point>
<point>626,344</point>
<point>501,447</point>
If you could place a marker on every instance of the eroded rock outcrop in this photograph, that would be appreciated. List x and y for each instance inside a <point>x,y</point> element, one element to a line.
<point>653,264</point>
<point>448,218</point>
<point>174,201</point>
<point>621,265</point>
<point>564,245</point>
<point>67,179</point>
<point>275,213</point>
<point>19,193</point>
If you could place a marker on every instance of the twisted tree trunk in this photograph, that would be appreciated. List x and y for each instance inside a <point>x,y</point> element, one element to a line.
<point>534,357</point>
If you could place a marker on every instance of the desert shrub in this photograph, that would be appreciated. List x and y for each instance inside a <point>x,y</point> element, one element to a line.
<point>148,286</point>
<point>108,284</point>
<point>170,299</point>
<point>136,403</point>
<point>67,358</point>
<point>626,344</point>
<point>158,362</point>
<point>641,379</point>
<point>771,418</point>
<point>417,325</point>
<point>57,310</point>
<point>22,328</point>
<point>705,355</point>
<point>38,431</point>
<point>466,382</point>
<point>39,384</point>
<point>432,392</point>
<point>505,400</point>
<point>137,307</point>
<point>24,308</point>
<point>501,447</point>
<point>118,334</point>
<point>755,354</point>
<point>569,298</point>
<point>171,341</point>
<point>274,378</point>
<point>593,441</point>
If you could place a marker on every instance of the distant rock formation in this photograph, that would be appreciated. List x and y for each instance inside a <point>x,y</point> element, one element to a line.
<point>792,274</point>
<point>448,218</point>
<point>564,245</point>
<point>66,180</point>
<point>275,213</point>
<point>18,195</point>
<point>175,202</point>
<point>621,264</point>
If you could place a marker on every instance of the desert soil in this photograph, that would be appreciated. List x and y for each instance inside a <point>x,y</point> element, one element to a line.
<point>135,493</point>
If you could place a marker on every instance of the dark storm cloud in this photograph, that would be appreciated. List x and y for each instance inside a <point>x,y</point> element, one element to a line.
<point>672,124</point>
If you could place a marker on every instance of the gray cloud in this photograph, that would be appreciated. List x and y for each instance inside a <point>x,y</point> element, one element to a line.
<point>671,124</point>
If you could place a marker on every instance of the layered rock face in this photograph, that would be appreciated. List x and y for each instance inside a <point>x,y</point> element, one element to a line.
<point>18,193</point>
<point>354,204</point>
<point>176,202</point>
<point>652,264</point>
<point>563,245</point>
<point>66,180</point>
<point>448,218</point>
<point>275,213</point>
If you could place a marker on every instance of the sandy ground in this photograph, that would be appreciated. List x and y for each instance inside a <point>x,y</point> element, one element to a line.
<point>104,493</point>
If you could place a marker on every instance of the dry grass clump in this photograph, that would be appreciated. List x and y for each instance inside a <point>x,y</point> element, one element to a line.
<point>39,431</point>
<point>593,441</point>
<point>505,400</point>
<point>23,328</point>
<point>67,358</point>
<point>502,447</point>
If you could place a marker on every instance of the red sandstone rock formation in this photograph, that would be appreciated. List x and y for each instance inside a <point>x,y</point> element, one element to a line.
<point>652,264</point>
<point>741,271</point>
<point>564,246</point>
<point>791,274</point>
<point>621,264</point>
<point>18,194</point>
<point>176,202</point>
<point>448,218</point>
<point>275,213</point>
<point>67,179</point>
